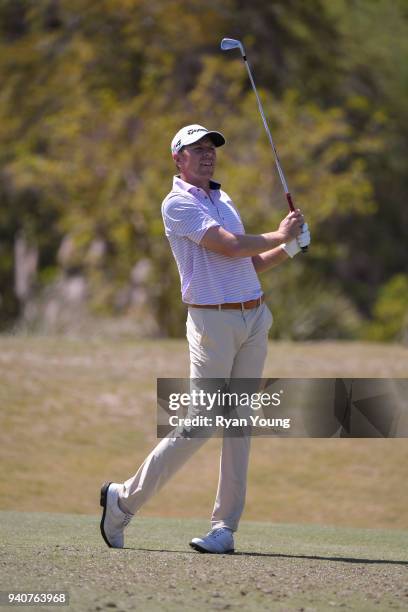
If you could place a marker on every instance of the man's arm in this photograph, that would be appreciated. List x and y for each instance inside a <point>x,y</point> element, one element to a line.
<point>269,259</point>
<point>247,245</point>
<point>238,245</point>
<point>274,257</point>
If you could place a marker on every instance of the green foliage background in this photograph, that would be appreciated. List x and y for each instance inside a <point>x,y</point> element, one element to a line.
<point>93,91</point>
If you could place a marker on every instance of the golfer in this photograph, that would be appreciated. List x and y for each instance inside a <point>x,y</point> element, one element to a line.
<point>227,327</point>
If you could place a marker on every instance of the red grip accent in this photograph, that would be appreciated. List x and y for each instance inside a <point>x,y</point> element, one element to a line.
<point>290,202</point>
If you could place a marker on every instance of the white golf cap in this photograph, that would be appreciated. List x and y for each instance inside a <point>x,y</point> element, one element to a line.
<point>191,133</point>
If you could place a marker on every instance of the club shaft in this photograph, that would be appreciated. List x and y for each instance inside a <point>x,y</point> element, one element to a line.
<point>268,132</point>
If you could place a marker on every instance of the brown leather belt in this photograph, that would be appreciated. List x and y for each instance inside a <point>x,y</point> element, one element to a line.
<point>232,305</point>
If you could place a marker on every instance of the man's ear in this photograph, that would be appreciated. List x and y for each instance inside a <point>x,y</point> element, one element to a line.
<point>177,159</point>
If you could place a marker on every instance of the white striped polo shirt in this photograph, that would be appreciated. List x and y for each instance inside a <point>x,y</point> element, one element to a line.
<point>206,277</point>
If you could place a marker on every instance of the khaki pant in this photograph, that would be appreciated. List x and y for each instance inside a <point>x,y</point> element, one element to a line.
<point>223,344</point>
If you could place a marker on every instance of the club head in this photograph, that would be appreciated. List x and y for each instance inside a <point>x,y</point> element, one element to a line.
<point>232,43</point>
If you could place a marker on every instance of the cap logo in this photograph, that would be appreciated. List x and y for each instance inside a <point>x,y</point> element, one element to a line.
<point>196,130</point>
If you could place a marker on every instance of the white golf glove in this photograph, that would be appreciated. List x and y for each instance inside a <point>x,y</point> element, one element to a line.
<point>294,247</point>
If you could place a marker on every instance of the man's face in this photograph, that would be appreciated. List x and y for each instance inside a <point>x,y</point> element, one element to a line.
<point>196,162</point>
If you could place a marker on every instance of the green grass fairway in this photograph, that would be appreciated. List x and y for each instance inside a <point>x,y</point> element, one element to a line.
<point>276,567</point>
<point>77,412</point>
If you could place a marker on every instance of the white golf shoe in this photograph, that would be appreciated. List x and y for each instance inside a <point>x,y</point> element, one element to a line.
<point>217,541</point>
<point>114,520</point>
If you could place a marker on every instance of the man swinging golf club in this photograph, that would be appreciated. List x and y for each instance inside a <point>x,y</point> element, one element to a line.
<point>227,327</point>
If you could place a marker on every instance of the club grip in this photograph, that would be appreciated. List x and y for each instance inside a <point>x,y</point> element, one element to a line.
<point>292,209</point>
<point>290,202</point>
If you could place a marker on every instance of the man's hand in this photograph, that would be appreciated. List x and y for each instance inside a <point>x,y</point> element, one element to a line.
<point>293,247</point>
<point>291,226</point>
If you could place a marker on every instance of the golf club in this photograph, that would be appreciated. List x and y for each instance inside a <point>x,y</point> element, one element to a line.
<point>231,43</point>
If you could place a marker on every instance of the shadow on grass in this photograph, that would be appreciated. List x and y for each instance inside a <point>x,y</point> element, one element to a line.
<point>279,556</point>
